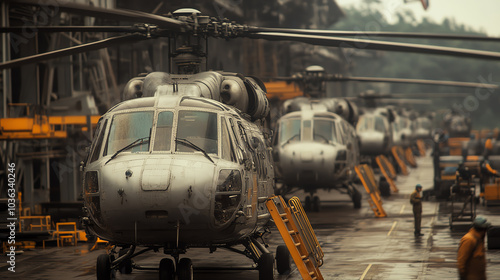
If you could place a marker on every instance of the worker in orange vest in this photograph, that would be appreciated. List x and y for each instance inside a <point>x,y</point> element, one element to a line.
<point>471,258</point>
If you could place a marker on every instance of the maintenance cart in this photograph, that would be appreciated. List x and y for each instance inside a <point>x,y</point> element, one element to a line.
<point>463,198</point>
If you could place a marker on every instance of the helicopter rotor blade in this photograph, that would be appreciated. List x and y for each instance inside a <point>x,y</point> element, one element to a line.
<point>374,45</point>
<point>412,81</point>
<point>359,34</point>
<point>405,101</point>
<point>432,95</point>
<point>72,50</point>
<point>40,29</point>
<point>117,14</point>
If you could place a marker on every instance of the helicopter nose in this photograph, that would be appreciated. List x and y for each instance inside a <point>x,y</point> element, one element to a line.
<point>168,190</point>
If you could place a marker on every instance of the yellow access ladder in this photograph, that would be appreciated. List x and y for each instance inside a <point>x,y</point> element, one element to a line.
<point>367,177</point>
<point>398,154</point>
<point>388,171</point>
<point>298,235</point>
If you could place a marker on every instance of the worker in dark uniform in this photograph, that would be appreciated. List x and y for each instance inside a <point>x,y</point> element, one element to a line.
<point>416,201</point>
<point>471,258</point>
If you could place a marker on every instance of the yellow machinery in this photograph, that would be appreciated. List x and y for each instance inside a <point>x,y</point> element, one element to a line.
<point>298,236</point>
<point>455,144</point>
<point>282,90</point>
<point>42,126</point>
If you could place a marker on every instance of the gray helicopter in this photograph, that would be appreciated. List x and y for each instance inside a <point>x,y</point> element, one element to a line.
<point>185,163</point>
<point>315,148</point>
<point>179,161</point>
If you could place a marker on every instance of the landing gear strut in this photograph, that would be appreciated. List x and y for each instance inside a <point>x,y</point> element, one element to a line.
<point>355,195</point>
<point>312,204</point>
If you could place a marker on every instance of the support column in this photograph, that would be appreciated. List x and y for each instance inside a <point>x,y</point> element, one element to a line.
<point>5,85</point>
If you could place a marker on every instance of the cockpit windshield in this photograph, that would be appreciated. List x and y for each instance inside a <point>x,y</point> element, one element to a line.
<point>363,123</point>
<point>424,123</point>
<point>317,130</point>
<point>199,128</point>
<point>195,132</point>
<point>289,131</point>
<point>127,128</point>
<point>324,131</point>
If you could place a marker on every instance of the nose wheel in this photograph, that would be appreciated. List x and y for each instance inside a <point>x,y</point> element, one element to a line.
<point>103,267</point>
<point>167,269</point>
<point>265,266</point>
<point>184,269</point>
<point>312,203</point>
<point>355,196</point>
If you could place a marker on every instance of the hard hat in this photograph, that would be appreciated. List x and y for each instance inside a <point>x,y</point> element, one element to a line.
<point>481,223</point>
<point>418,186</point>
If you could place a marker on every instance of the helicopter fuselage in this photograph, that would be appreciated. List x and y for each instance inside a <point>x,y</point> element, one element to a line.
<point>315,150</point>
<point>199,177</point>
<point>374,134</point>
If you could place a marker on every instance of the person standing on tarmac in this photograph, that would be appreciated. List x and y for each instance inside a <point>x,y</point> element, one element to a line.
<point>471,258</point>
<point>416,201</point>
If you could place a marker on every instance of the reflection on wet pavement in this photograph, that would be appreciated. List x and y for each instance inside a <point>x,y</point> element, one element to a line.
<point>356,244</point>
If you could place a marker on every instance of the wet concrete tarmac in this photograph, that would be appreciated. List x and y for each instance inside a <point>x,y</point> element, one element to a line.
<point>356,244</point>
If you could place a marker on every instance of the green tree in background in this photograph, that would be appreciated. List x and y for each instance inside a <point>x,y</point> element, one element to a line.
<point>481,104</point>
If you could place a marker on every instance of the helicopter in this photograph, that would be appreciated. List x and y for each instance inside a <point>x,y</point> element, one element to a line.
<point>201,187</point>
<point>316,148</point>
<point>315,145</point>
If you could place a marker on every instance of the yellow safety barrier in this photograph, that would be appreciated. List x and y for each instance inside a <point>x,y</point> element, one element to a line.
<point>410,158</point>
<point>398,154</point>
<point>365,174</point>
<point>386,167</point>
<point>298,235</point>
<point>421,147</point>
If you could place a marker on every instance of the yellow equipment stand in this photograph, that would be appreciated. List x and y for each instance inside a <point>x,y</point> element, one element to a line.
<point>365,174</point>
<point>410,158</point>
<point>387,170</point>
<point>398,154</point>
<point>421,147</point>
<point>298,236</point>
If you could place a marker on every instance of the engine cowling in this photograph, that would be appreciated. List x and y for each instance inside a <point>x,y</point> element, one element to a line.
<point>244,93</point>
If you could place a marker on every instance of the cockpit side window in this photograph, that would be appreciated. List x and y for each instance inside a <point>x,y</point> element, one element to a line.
<point>199,128</point>
<point>239,151</point>
<point>127,128</point>
<point>379,124</point>
<point>98,143</point>
<point>163,131</point>
<point>289,131</point>
<point>226,142</point>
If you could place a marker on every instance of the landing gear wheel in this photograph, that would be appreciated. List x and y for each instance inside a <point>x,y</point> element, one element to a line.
<point>185,269</point>
<point>126,265</point>
<point>167,269</point>
<point>315,204</point>
<point>103,267</point>
<point>355,196</point>
<point>307,205</point>
<point>266,267</point>
<point>283,264</point>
